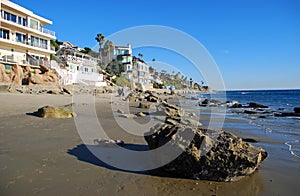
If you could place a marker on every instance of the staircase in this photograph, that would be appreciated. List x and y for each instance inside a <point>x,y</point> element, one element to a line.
<point>64,78</point>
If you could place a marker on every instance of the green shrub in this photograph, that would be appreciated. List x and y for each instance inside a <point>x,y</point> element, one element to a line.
<point>120,81</point>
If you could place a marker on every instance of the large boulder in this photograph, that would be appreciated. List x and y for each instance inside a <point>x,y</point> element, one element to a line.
<point>44,68</point>
<point>222,158</point>
<point>36,79</point>
<point>45,78</point>
<point>172,110</point>
<point>16,74</point>
<point>297,109</point>
<point>54,112</point>
<point>4,78</point>
<point>144,105</point>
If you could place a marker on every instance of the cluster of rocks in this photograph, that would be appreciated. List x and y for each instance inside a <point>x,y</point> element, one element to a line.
<point>24,75</point>
<point>56,89</point>
<point>139,95</point>
<point>257,108</point>
<point>207,156</point>
<point>286,114</point>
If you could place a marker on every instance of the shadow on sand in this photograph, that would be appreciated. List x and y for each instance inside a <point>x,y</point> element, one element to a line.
<point>83,154</point>
<point>250,184</point>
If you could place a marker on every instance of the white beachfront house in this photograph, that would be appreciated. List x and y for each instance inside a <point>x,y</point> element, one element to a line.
<point>76,67</point>
<point>23,38</point>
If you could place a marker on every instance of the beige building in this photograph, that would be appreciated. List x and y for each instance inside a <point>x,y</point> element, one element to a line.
<point>141,74</point>
<point>23,38</point>
<point>117,58</point>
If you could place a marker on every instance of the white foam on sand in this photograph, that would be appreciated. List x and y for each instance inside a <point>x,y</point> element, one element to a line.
<point>289,144</point>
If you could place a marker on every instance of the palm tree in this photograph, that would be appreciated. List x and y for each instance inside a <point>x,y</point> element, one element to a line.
<point>100,38</point>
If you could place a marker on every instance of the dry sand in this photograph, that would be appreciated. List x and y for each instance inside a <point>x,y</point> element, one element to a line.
<point>47,157</point>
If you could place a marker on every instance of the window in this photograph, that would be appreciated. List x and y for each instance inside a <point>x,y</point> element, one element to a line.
<point>24,22</point>
<point>21,38</point>
<point>34,24</point>
<point>77,68</point>
<point>18,37</point>
<point>13,18</point>
<point>7,67</point>
<point>43,43</point>
<point>19,20</point>
<point>6,15</point>
<point>4,33</point>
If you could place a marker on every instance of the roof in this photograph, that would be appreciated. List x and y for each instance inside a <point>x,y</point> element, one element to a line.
<point>25,11</point>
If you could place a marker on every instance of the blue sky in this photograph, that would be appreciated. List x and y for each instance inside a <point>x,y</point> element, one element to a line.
<point>255,43</point>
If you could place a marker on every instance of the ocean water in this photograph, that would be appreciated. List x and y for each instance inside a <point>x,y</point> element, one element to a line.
<point>284,130</point>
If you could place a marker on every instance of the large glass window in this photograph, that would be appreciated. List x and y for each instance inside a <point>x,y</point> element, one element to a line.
<point>20,38</point>
<point>13,18</point>
<point>4,33</point>
<point>43,43</point>
<point>6,15</point>
<point>34,24</point>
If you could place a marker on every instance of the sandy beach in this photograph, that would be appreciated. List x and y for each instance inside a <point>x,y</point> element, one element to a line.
<point>47,156</point>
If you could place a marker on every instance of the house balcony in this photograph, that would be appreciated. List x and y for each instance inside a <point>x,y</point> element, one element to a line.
<point>33,29</point>
<point>28,45</point>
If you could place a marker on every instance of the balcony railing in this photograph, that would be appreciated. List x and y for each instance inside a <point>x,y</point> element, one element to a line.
<point>47,31</point>
<point>40,29</point>
<point>26,42</point>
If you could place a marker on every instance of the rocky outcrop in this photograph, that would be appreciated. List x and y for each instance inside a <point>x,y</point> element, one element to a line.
<point>4,78</point>
<point>144,105</point>
<point>236,105</point>
<point>45,78</point>
<point>250,112</point>
<point>23,75</point>
<point>225,158</point>
<point>208,155</point>
<point>67,90</point>
<point>287,114</point>
<point>54,112</point>
<point>256,105</point>
<point>16,74</point>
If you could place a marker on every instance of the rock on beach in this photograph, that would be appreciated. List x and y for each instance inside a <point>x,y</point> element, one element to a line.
<point>54,112</point>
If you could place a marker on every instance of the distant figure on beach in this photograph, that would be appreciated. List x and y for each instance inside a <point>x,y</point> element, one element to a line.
<point>122,92</point>
<point>172,89</point>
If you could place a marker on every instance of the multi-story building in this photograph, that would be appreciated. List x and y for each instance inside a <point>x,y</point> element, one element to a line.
<point>141,73</point>
<point>123,54</point>
<point>23,38</point>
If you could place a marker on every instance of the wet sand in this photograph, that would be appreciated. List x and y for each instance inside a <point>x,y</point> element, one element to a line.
<point>47,157</point>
